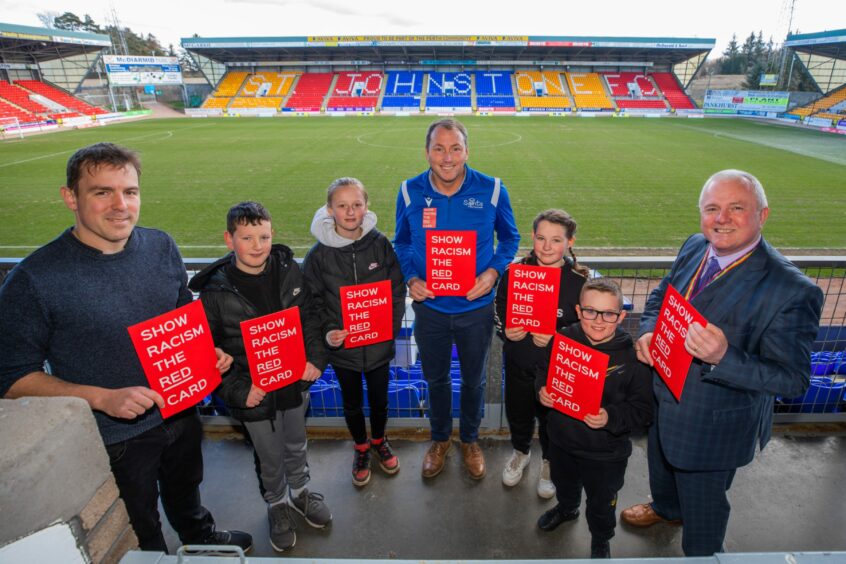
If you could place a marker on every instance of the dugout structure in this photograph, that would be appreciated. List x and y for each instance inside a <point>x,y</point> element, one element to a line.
<point>678,58</point>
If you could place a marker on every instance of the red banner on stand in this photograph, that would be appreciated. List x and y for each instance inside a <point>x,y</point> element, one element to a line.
<point>533,298</point>
<point>275,348</point>
<point>576,377</point>
<point>177,354</point>
<point>450,262</point>
<point>367,310</point>
<point>667,350</point>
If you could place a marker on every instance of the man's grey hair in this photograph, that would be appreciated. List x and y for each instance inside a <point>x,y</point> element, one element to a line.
<point>752,184</point>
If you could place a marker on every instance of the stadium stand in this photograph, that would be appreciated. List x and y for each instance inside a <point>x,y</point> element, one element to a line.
<point>230,84</point>
<point>309,92</point>
<point>60,97</point>
<point>216,103</point>
<point>630,84</point>
<point>356,91</point>
<point>449,91</point>
<point>270,102</point>
<point>7,110</point>
<point>633,91</point>
<point>588,92</point>
<point>228,87</point>
<point>540,90</point>
<point>403,90</point>
<point>672,90</point>
<point>20,97</point>
<point>493,90</point>
<point>822,105</point>
<point>268,84</point>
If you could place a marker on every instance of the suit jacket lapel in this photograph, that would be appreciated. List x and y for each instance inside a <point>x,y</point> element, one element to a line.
<point>721,296</point>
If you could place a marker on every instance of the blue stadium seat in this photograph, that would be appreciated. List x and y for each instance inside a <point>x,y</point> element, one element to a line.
<point>404,83</point>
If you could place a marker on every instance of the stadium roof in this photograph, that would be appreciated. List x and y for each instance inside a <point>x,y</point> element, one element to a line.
<point>823,54</point>
<point>826,43</point>
<point>23,45</point>
<point>449,49</point>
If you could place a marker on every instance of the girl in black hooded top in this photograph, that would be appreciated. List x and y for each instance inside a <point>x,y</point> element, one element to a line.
<point>553,235</point>
<point>350,250</point>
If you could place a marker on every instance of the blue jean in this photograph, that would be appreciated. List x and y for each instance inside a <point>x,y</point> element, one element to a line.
<point>166,459</point>
<point>435,333</point>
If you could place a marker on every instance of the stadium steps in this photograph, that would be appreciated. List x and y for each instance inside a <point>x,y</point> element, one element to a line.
<point>607,89</point>
<point>518,107</point>
<point>474,104</point>
<point>329,92</point>
<point>565,86</point>
<point>378,107</point>
<point>654,84</point>
<point>290,91</point>
<point>423,90</point>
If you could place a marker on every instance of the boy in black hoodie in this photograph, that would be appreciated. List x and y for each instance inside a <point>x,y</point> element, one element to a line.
<point>259,278</point>
<point>593,454</point>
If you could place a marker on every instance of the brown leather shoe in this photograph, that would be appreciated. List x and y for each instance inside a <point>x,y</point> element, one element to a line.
<point>435,457</point>
<point>474,460</point>
<point>642,515</point>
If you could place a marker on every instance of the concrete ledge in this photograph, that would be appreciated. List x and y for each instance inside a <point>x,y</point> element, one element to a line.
<point>52,462</point>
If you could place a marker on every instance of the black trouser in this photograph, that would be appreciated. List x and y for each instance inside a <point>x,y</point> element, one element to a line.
<point>601,481</point>
<point>353,396</point>
<point>522,407</point>
<point>166,459</point>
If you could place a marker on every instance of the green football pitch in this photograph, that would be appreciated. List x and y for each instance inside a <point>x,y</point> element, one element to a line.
<point>628,182</point>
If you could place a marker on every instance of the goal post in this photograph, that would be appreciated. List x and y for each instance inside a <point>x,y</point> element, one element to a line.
<point>10,127</point>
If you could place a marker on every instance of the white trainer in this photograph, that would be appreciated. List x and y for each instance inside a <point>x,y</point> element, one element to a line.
<point>546,489</point>
<point>513,470</point>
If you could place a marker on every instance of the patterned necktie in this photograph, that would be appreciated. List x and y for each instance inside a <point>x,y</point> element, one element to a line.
<point>711,269</point>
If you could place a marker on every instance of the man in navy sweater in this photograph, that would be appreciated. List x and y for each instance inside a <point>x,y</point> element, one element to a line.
<point>64,313</point>
<point>452,196</point>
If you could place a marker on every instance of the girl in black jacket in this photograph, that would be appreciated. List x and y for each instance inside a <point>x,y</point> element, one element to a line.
<point>351,251</point>
<point>553,235</point>
<point>592,454</point>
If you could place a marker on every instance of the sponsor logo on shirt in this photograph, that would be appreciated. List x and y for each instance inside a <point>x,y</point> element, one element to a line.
<point>373,266</point>
<point>473,203</point>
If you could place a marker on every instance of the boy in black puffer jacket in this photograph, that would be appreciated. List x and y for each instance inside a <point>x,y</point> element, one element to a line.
<point>259,278</point>
<point>593,454</point>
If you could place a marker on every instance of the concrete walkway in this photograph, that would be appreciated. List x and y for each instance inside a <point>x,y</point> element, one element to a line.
<point>791,498</point>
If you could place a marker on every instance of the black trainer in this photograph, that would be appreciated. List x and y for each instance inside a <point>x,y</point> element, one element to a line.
<point>236,538</point>
<point>554,517</point>
<point>600,549</point>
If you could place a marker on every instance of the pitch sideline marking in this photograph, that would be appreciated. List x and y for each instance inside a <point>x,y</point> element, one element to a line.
<point>517,139</point>
<point>168,135</point>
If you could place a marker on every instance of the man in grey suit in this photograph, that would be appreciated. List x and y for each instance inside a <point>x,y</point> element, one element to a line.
<point>763,315</point>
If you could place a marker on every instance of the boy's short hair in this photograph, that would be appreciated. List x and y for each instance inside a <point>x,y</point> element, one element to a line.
<point>245,213</point>
<point>97,155</point>
<point>604,285</point>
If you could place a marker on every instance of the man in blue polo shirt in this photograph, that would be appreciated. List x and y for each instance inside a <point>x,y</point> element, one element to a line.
<point>452,196</point>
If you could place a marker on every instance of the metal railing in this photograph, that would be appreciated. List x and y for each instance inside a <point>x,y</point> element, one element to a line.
<point>637,276</point>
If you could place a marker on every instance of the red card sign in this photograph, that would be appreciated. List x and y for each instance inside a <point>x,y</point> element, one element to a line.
<point>275,348</point>
<point>667,350</point>
<point>533,298</point>
<point>367,310</point>
<point>576,377</point>
<point>177,354</point>
<point>430,218</point>
<point>450,262</point>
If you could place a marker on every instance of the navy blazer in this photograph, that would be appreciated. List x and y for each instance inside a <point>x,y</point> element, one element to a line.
<point>769,312</point>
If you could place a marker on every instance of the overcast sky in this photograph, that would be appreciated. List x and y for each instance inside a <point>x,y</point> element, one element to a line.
<point>719,19</point>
